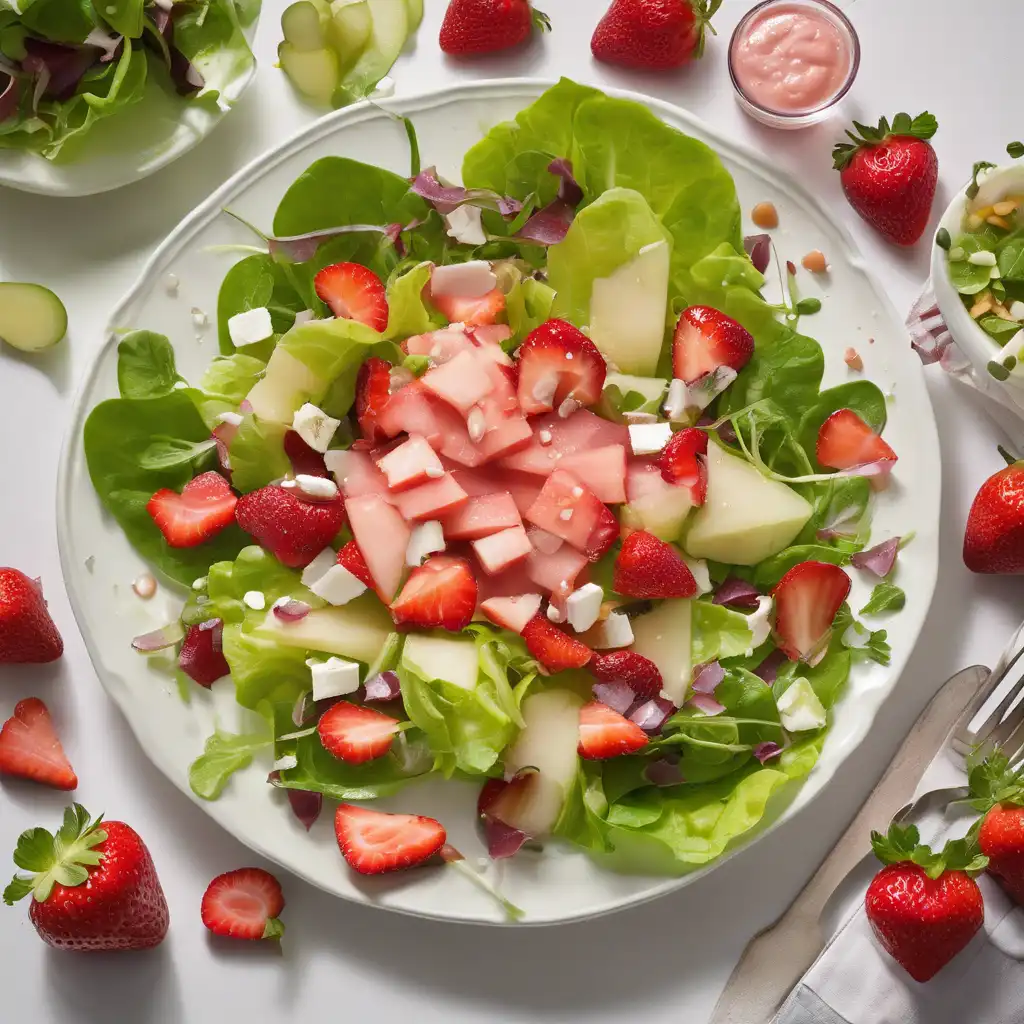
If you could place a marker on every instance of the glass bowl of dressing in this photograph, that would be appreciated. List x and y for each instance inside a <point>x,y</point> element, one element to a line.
<point>792,61</point>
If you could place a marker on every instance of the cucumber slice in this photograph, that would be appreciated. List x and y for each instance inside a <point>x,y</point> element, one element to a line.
<point>349,30</point>
<point>415,14</point>
<point>31,317</point>
<point>390,30</point>
<point>303,27</point>
<point>313,72</point>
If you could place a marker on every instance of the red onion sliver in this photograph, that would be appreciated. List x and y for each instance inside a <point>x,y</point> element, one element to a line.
<point>706,703</point>
<point>303,710</point>
<point>217,640</point>
<point>301,248</point>
<point>707,677</point>
<point>444,198</point>
<point>385,686</point>
<point>651,715</point>
<point>663,772</point>
<point>769,668</point>
<point>737,592</point>
<point>159,639</point>
<point>843,524</point>
<point>502,840</point>
<point>878,560</point>
<point>618,696</point>
<point>759,249</point>
<point>765,751</point>
<point>569,190</point>
<point>306,805</point>
<point>290,610</point>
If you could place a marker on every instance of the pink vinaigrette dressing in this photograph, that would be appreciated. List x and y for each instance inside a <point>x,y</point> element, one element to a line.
<point>791,58</point>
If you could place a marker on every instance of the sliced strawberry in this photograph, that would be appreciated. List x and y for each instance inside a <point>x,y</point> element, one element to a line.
<point>205,506</point>
<point>432,500</point>
<point>498,551</point>
<point>383,537</point>
<point>807,599</point>
<point>706,339</point>
<point>292,530</point>
<point>481,515</point>
<point>603,470</point>
<point>373,842</point>
<point>846,441</point>
<point>605,733</point>
<point>352,559</point>
<point>555,650</point>
<point>558,363</point>
<point>570,510</point>
<point>305,460</point>
<point>680,462</point>
<point>512,613</point>
<point>355,734</point>
<point>440,594</point>
<point>373,391</point>
<point>476,312</point>
<point>353,293</point>
<point>649,568</point>
<point>640,674</point>
<point>244,904</point>
<point>30,749</point>
<point>202,657</point>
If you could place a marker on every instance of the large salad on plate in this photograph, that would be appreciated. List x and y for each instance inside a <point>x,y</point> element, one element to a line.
<point>521,483</point>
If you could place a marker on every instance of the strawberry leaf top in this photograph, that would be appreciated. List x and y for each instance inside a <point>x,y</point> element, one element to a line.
<point>703,12</point>
<point>540,21</point>
<point>64,858</point>
<point>902,845</point>
<point>921,127</point>
<point>992,781</point>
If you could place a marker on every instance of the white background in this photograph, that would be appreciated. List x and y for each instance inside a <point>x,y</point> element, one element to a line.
<point>662,962</point>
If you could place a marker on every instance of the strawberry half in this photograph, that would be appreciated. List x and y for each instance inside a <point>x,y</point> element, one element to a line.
<point>292,530</point>
<point>605,733</point>
<point>648,567</point>
<point>355,734</point>
<point>846,441</point>
<point>373,389</point>
<point>640,674</point>
<point>479,312</point>
<point>680,463</point>
<point>373,842</point>
<point>353,293</point>
<point>440,594</point>
<point>205,506</point>
<point>352,559</point>
<point>707,339</point>
<point>244,904</point>
<point>807,599</point>
<point>555,650</point>
<point>558,363</point>
<point>27,633</point>
<point>30,749</point>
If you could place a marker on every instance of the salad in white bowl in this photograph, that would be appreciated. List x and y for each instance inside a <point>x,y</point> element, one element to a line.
<point>520,482</point>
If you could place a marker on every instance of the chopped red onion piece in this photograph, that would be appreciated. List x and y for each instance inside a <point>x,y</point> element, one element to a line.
<point>301,248</point>
<point>651,715</point>
<point>61,66</point>
<point>663,772</point>
<point>769,668</point>
<point>707,704</point>
<point>618,696</point>
<point>548,226</point>
<point>445,198</point>
<point>727,432</point>
<point>878,560</point>
<point>737,592</point>
<point>290,610</point>
<point>306,805</point>
<point>385,686</point>
<point>842,524</point>
<point>759,249</point>
<point>159,639</point>
<point>502,840</point>
<point>879,470</point>
<point>569,190</point>
<point>305,460</point>
<point>707,677</point>
<point>304,709</point>
<point>765,751</point>
<point>223,435</point>
<point>104,41</point>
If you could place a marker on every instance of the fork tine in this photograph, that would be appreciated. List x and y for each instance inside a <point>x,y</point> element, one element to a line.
<point>1012,708</point>
<point>964,739</point>
<point>1013,745</point>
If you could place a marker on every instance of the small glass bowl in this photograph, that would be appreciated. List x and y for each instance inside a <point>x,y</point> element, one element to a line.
<point>811,115</point>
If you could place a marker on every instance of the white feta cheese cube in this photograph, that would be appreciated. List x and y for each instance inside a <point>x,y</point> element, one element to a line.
<point>337,462</point>
<point>675,403</point>
<point>232,419</point>
<point>254,599</point>
<point>583,606</point>
<point>464,225</point>
<point>466,280</point>
<point>426,539</point>
<point>334,677</point>
<point>286,762</point>
<point>303,317</point>
<point>760,623</point>
<point>319,566</point>
<point>617,631</point>
<point>250,327</point>
<point>317,486</point>
<point>799,708</point>
<point>1017,309</point>
<point>337,586</point>
<point>649,438</point>
<point>315,427</point>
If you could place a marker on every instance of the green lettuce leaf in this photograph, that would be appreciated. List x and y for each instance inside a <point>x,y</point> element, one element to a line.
<point>145,365</point>
<point>257,454</point>
<point>718,632</point>
<point>407,312</point>
<point>225,753</point>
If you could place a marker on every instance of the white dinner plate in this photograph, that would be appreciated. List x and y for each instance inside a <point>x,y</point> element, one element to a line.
<point>559,884</point>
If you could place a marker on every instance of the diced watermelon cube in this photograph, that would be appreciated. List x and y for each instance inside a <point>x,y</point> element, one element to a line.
<point>439,346</point>
<point>481,515</point>
<point>432,500</point>
<point>570,510</point>
<point>511,612</point>
<point>514,580</point>
<point>382,536</point>
<point>498,551</point>
<point>356,474</point>
<point>415,410</point>
<point>556,573</point>
<point>493,480</point>
<point>507,435</point>
<point>644,479</point>
<point>556,437</point>
<point>462,382</point>
<point>410,463</point>
<point>603,470</point>
<point>490,336</point>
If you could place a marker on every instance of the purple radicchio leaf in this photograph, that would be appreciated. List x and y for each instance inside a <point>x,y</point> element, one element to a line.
<point>737,592</point>
<point>184,74</point>
<point>765,751</point>
<point>707,677</point>
<point>301,248</point>
<point>384,686</point>
<point>445,198</point>
<point>551,224</point>
<point>502,840</point>
<point>663,772</point>
<point>306,805</point>
<point>769,668</point>
<point>878,560</point>
<point>60,67</point>
<point>8,98</point>
<point>759,249</point>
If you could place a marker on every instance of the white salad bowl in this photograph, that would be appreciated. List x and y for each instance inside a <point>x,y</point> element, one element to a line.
<point>559,883</point>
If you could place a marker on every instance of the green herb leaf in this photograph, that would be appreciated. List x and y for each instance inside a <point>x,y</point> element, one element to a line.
<point>886,597</point>
<point>225,753</point>
<point>942,239</point>
<point>145,365</point>
<point>998,328</point>
<point>974,187</point>
<point>1015,150</point>
<point>167,452</point>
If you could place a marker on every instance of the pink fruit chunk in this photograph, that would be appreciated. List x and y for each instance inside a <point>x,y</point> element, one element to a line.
<point>511,612</point>
<point>554,438</point>
<point>356,474</point>
<point>511,582</point>
<point>523,487</point>
<point>489,337</point>
<point>410,463</point>
<point>382,536</point>
<point>482,515</point>
<point>603,470</point>
<point>556,573</point>
<point>462,382</point>
<point>570,510</point>
<point>500,550</point>
<point>439,346</point>
<point>644,480</point>
<point>415,410</point>
<point>431,500</point>
<point>507,435</point>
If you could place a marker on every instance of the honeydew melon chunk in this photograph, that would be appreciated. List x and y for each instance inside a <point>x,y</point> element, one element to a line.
<point>547,743</point>
<point>287,385</point>
<point>442,657</point>
<point>663,636</point>
<point>652,388</point>
<point>390,30</point>
<point>32,318</point>
<point>628,310</point>
<point>303,26</point>
<point>349,30</point>
<point>355,630</point>
<point>746,517</point>
<point>415,14</point>
<point>662,513</point>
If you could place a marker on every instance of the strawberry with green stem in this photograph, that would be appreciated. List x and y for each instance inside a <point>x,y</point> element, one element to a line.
<point>997,790</point>
<point>994,537</point>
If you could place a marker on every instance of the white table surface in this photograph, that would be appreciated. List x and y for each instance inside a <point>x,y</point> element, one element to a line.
<point>664,962</point>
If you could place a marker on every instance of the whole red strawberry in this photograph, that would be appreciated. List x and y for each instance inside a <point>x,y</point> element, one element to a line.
<point>483,26</point>
<point>994,538</point>
<point>924,907</point>
<point>998,793</point>
<point>889,175</point>
<point>27,633</point>
<point>293,529</point>
<point>653,34</point>
<point>122,906</point>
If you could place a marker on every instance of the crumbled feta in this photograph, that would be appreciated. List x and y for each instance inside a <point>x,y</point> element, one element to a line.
<point>232,419</point>
<point>675,403</point>
<point>1017,309</point>
<point>435,472</point>
<point>555,614</point>
<point>982,258</point>
<point>171,285</point>
<point>426,539</point>
<point>464,225</point>
<point>303,317</point>
<point>699,570</point>
<point>464,280</point>
<point>315,427</point>
<point>250,327</point>
<point>569,405</point>
<point>254,599</point>
<point>286,762</point>
<point>616,631</point>
<point>760,623</point>
<point>319,566</point>
<point>544,389</point>
<point>544,436</point>
<point>649,438</point>
<point>799,708</point>
<point>334,677</point>
<point>583,606</point>
<point>317,486</point>
<point>337,586</point>
<point>337,462</point>
<point>199,318</point>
